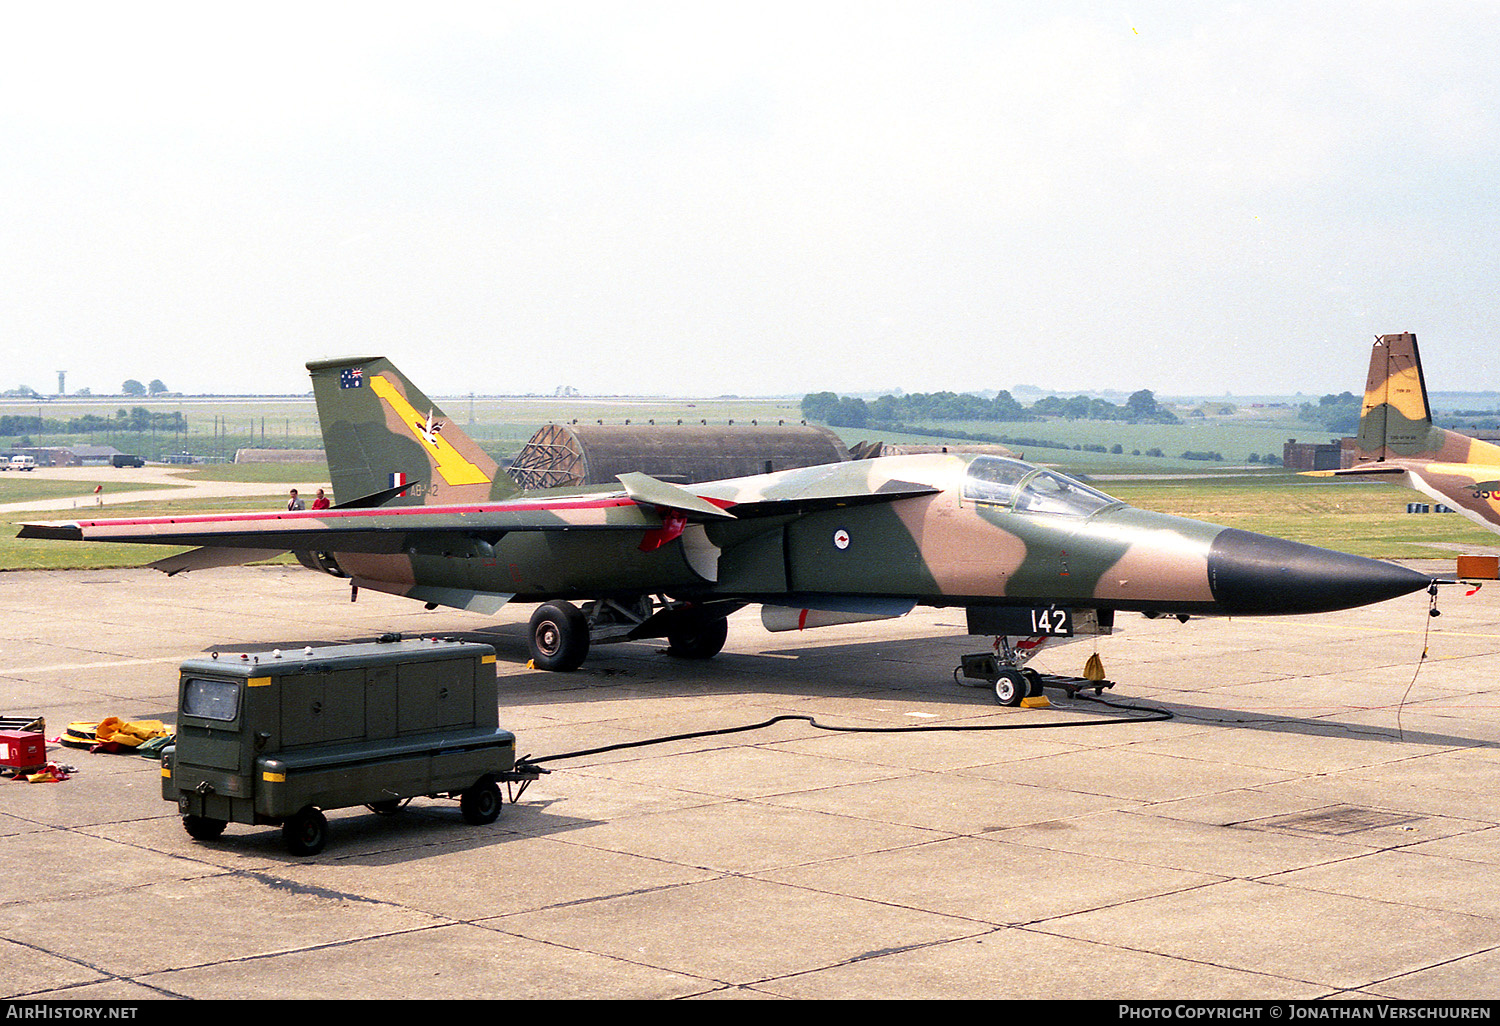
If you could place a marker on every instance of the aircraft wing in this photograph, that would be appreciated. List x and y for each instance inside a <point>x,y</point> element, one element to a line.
<point>810,489</point>
<point>643,506</point>
<point>356,530</point>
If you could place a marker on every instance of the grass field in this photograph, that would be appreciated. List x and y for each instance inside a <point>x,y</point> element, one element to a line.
<point>75,500</point>
<point>265,473</point>
<point>29,554</point>
<point>25,488</point>
<point>1367,519</point>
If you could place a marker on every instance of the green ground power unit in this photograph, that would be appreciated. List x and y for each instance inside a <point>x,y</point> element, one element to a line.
<point>275,738</point>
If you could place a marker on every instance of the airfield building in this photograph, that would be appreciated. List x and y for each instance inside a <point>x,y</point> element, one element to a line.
<point>561,455</point>
<point>1297,455</point>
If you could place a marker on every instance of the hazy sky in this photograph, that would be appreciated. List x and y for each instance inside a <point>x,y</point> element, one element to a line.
<point>701,198</point>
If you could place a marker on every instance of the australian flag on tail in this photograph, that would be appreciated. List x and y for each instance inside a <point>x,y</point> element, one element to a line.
<point>352,377</point>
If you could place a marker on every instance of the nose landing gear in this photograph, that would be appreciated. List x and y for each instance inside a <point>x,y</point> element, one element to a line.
<point>1004,670</point>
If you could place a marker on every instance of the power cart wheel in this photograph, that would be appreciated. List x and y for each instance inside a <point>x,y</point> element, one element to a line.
<point>306,832</point>
<point>202,828</point>
<point>1010,687</point>
<point>559,638</point>
<point>481,803</point>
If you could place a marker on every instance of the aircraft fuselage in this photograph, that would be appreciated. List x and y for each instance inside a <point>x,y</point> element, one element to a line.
<point>955,546</point>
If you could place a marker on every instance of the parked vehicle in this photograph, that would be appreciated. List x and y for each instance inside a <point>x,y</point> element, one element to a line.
<point>276,738</point>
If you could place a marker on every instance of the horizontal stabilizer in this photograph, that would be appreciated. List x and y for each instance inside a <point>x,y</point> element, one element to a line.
<point>205,558</point>
<point>486,603</point>
<point>52,530</point>
<point>379,498</point>
<point>1360,470</point>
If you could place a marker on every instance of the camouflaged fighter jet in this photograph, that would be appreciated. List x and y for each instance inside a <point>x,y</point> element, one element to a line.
<point>1398,439</point>
<point>1031,554</point>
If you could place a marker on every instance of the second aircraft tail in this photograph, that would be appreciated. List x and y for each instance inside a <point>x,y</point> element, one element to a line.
<point>1396,420</point>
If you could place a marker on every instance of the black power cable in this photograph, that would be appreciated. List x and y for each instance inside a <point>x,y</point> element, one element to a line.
<point>1152,715</point>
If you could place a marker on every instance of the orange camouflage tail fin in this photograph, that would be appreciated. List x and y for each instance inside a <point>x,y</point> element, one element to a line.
<point>1396,419</point>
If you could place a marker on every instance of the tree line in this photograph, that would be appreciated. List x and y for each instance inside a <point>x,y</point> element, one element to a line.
<point>892,411</point>
<point>129,387</point>
<point>137,419</point>
<point>1336,414</point>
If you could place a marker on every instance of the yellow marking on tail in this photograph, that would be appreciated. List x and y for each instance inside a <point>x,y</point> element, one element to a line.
<point>1403,392</point>
<point>455,469</point>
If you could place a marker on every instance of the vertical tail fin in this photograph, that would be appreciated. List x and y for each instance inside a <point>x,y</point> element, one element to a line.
<point>388,444</point>
<point>1396,420</point>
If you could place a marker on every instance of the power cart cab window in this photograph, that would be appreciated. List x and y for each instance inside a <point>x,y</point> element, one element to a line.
<point>211,699</point>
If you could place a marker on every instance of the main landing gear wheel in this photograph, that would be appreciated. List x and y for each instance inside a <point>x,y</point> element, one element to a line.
<point>1011,686</point>
<point>1034,680</point>
<point>481,803</point>
<point>700,639</point>
<point>306,832</point>
<point>559,638</point>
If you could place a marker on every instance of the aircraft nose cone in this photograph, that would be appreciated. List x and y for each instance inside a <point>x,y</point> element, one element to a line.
<point>1256,574</point>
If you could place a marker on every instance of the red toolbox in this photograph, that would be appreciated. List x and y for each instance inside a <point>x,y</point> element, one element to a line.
<point>22,749</point>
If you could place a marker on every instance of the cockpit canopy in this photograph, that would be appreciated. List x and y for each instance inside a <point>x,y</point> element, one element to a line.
<point>996,481</point>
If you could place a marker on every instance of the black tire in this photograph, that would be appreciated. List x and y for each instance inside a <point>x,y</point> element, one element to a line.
<point>1011,687</point>
<point>481,803</point>
<point>559,638</point>
<point>202,828</point>
<point>306,832</point>
<point>1034,688</point>
<point>386,806</point>
<point>698,639</point>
